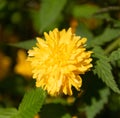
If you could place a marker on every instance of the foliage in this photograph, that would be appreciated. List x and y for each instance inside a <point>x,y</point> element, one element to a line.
<point>97,105</point>
<point>8,112</point>
<point>85,11</point>
<point>108,35</point>
<point>115,55</point>
<point>103,69</point>
<point>48,13</point>
<point>30,105</point>
<point>99,21</point>
<point>25,44</point>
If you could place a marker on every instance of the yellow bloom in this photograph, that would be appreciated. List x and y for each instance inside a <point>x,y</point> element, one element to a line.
<point>23,67</point>
<point>37,116</point>
<point>58,60</point>
<point>5,63</point>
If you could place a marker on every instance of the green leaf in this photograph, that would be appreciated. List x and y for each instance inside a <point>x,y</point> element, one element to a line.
<point>102,16</point>
<point>83,31</point>
<point>103,69</point>
<point>97,105</point>
<point>85,11</point>
<point>115,55</point>
<point>31,103</point>
<point>48,13</point>
<point>107,36</point>
<point>8,112</point>
<point>25,44</point>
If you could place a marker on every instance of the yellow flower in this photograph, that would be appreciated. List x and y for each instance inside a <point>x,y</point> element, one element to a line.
<point>58,60</point>
<point>37,116</point>
<point>5,63</point>
<point>23,67</point>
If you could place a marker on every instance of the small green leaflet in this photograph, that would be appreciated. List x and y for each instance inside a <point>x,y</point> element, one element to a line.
<point>97,105</point>
<point>115,55</point>
<point>103,69</point>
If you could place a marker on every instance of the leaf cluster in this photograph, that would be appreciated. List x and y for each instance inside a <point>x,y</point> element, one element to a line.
<point>30,105</point>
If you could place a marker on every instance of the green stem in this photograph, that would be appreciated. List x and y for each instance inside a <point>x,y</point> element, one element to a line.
<point>112,46</point>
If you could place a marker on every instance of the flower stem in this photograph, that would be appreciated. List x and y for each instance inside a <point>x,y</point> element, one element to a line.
<point>113,45</point>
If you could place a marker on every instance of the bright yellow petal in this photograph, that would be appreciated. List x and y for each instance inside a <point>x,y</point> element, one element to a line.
<point>58,61</point>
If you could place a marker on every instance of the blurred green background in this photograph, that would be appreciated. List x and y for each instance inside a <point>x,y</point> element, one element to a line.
<point>23,20</point>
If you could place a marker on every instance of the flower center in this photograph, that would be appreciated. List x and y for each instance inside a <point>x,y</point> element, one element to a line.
<point>59,56</point>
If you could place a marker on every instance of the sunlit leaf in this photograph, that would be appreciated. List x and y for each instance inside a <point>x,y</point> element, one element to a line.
<point>31,103</point>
